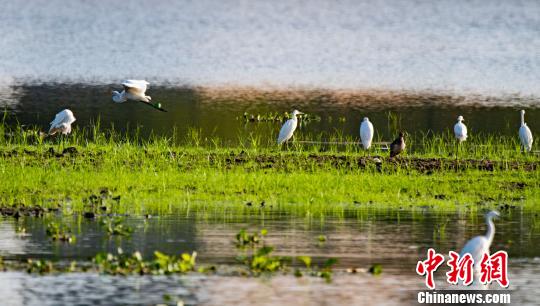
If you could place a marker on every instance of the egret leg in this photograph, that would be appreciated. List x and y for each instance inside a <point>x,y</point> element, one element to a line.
<point>63,142</point>
<point>458,149</point>
<point>58,140</point>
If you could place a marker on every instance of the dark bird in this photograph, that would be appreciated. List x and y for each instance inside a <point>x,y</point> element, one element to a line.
<point>397,146</point>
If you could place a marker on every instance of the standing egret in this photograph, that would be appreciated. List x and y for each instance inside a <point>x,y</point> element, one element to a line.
<point>135,90</point>
<point>525,134</point>
<point>62,122</point>
<point>288,128</point>
<point>460,130</point>
<point>366,133</point>
<point>479,245</point>
<point>397,146</point>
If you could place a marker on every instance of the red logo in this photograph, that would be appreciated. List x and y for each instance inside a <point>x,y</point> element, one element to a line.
<point>493,268</point>
<point>460,268</point>
<point>429,266</point>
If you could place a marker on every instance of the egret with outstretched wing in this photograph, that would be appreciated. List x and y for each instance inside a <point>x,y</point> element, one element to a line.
<point>135,90</point>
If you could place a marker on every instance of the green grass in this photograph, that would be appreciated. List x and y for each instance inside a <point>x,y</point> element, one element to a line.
<point>159,175</point>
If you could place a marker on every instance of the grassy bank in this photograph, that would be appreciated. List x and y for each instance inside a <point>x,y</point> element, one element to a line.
<point>161,174</point>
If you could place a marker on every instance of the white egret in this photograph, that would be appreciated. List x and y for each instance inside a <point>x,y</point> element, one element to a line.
<point>135,90</point>
<point>62,122</point>
<point>287,130</point>
<point>366,133</point>
<point>479,245</point>
<point>398,145</point>
<point>525,134</point>
<point>460,130</point>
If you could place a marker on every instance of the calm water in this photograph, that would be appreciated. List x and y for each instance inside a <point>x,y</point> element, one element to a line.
<point>397,240</point>
<point>486,47</point>
<point>221,114</point>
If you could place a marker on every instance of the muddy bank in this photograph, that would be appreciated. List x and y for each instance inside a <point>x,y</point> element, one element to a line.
<point>425,165</point>
<point>18,210</point>
<point>286,160</point>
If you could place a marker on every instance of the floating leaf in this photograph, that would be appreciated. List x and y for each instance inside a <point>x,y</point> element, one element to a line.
<point>306,260</point>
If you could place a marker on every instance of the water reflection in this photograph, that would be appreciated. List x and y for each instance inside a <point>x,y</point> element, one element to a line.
<point>220,114</point>
<point>395,239</point>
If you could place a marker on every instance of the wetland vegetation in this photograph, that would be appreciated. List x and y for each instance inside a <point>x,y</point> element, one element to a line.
<point>93,171</point>
<point>102,177</point>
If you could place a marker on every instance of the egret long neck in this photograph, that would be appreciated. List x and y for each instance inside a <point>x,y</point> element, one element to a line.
<point>522,119</point>
<point>490,229</point>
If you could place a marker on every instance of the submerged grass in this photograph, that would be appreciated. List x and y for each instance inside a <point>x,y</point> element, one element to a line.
<point>161,174</point>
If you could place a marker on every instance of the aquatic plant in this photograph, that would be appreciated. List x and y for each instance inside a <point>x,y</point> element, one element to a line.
<point>325,271</point>
<point>165,264</point>
<point>120,263</point>
<point>243,238</point>
<point>262,261</point>
<point>60,232</point>
<point>116,227</point>
<point>102,202</point>
<point>375,269</point>
<point>39,266</point>
<point>124,264</point>
<point>306,260</point>
<point>277,117</point>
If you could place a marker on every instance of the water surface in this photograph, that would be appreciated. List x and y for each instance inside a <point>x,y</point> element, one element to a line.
<point>219,113</point>
<point>396,239</point>
<point>482,47</point>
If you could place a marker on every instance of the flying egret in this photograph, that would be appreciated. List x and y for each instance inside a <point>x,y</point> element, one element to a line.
<point>479,245</point>
<point>397,146</point>
<point>288,128</point>
<point>135,90</point>
<point>366,133</point>
<point>62,122</point>
<point>460,130</point>
<point>525,134</point>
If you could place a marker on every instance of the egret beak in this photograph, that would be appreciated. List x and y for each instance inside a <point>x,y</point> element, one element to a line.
<point>156,105</point>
